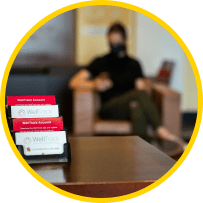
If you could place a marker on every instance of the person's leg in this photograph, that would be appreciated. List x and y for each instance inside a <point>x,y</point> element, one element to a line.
<point>152,113</point>
<point>125,107</point>
<point>118,107</point>
<point>149,108</point>
<point>139,121</point>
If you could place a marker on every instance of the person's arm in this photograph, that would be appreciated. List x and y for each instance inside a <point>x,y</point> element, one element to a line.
<point>82,79</point>
<point>139,82</point>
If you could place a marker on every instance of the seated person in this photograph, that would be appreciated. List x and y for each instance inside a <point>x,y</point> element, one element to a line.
<point>119,79</point>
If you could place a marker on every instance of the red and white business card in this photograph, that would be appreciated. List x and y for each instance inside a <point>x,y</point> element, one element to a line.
<point>34,111</point>
<point>37,124</point>
<point>31,100</point>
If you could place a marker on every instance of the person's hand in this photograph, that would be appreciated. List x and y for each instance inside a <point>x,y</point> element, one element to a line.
<point>103,82</point>
<point>140,84</point>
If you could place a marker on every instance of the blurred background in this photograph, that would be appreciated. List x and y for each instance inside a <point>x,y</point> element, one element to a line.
<point>70,41</point>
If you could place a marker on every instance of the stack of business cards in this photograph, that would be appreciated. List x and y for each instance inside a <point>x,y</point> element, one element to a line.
<point>37,129</point>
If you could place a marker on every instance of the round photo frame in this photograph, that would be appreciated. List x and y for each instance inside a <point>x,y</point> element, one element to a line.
<point>127,6</point>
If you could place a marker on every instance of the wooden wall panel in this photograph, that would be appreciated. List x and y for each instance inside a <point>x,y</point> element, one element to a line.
<point>91,28</point>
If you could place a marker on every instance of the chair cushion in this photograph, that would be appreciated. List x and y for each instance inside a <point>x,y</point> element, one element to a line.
<point>112,126</point>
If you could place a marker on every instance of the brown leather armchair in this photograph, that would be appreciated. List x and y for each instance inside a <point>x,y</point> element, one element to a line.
<point>86,103</point>
<point>86,122</point>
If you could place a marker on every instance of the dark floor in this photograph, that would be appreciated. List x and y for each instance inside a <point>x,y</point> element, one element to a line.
<point>188,124</point>
<point>187,133</point>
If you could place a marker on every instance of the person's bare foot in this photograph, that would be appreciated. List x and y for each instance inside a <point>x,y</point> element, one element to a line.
<point>163,133</point>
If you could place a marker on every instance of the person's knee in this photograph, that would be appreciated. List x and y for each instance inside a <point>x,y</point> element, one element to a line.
<point>134,104</point>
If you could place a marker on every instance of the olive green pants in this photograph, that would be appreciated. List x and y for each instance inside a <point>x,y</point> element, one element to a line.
<point>123,107</point>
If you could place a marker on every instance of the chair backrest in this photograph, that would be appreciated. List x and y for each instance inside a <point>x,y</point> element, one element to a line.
<point>165,71</point>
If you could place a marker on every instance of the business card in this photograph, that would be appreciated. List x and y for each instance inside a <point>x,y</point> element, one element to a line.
<point>34,111</point>
<point>31,100</point>
<point>41,143</point>
<point>37,124</point>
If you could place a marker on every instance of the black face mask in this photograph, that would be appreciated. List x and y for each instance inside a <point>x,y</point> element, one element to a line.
<point>116,49</point>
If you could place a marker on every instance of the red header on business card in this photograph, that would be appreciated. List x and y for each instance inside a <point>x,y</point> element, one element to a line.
<point>31,100</point>
<point>37,124</point>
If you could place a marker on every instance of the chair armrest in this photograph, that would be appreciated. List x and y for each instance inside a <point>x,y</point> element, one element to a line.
<point>83,110</point>
<point>168,103</point>
<point>165,90</point>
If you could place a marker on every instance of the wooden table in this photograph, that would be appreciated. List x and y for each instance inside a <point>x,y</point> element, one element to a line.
<point>107,166</point>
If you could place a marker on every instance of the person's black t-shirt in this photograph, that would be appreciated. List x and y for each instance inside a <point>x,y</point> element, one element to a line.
<point>122,72</point>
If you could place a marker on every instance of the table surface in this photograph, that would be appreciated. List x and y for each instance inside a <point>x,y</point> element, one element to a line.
<point>107,159</point>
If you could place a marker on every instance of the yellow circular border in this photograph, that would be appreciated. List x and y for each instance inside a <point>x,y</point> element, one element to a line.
<point>123,5</point>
